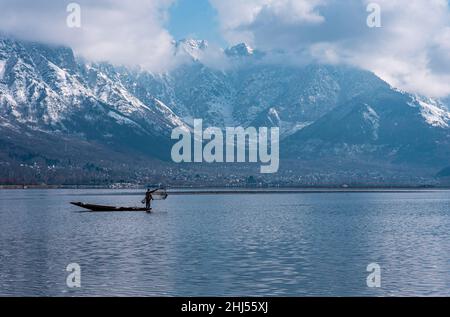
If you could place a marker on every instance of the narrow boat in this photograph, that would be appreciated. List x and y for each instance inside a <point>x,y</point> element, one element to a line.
<point>100,208</point>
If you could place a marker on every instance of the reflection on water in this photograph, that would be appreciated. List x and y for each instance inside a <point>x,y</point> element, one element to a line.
<point>277,244</point>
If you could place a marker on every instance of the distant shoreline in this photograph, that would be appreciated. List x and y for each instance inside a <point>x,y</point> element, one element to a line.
<point>236,190</point>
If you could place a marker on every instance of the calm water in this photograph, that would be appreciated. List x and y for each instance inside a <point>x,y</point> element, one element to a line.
<point>278,244</point>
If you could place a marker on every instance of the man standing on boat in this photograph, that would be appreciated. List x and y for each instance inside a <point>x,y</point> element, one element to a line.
<point>148,198</point>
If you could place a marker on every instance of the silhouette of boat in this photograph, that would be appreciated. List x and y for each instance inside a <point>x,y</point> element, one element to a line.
<point>101,208</point>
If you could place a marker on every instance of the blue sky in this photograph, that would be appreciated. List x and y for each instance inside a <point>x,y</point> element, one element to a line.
<point>196,19</point>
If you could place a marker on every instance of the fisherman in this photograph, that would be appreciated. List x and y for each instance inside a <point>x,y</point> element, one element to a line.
<point>148,198</point>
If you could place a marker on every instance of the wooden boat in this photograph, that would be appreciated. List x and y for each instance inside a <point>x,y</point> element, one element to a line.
<point>100,208</point>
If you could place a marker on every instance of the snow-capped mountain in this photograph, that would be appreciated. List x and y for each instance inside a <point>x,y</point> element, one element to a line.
<point>323,111</point>
<point>44,88</point>
<point>386,125</point>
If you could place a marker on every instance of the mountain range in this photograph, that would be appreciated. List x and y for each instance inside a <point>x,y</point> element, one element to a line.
<point>62,115</point>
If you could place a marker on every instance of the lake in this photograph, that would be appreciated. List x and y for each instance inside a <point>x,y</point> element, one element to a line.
<point>278,244</point>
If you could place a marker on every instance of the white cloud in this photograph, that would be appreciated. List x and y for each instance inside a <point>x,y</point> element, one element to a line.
<point>237,16</point>
<point>121,32</point>
<point>411,50</point>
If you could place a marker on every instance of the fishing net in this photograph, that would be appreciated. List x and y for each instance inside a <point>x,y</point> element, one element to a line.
<point>160,194</point>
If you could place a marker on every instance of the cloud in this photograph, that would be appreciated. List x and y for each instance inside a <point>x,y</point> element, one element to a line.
<point>238,17</point>
<point>121,32</point>
<point>411,50</point>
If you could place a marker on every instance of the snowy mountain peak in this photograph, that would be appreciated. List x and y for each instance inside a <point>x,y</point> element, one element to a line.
<point>191,47</point>
<point>240,50</point>
<point>193,44</point>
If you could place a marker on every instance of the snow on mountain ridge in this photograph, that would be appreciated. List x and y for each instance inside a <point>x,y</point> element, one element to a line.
<point>373,118</point>
<point>191,47</point>
<point>239,50</point>
<point>434,113</point>
<point>2,68</point>
<point>44,88</point>
<point>110,90</point>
